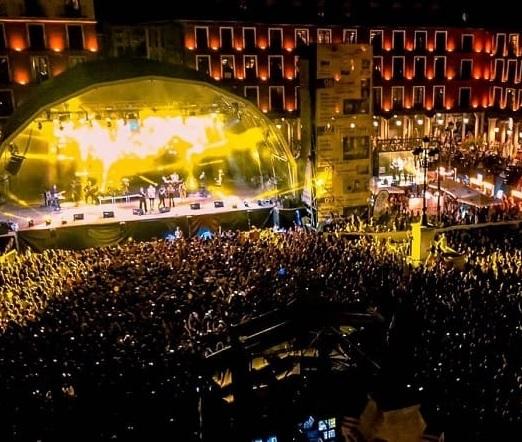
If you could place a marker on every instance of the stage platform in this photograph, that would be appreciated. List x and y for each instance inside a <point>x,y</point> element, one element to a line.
<point>110,224</point>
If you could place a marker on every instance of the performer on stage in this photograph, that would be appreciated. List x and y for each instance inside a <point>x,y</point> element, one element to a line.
<point>151,192</point>
<point>55,197</point>
<point>219,179</point>
<point>170,194</point>
<point>162,193</point>
<point>182,190</point>
<point>76,191</point>
<point>143,200</point>
<point>91,192</point>
<point>125,183</point>
<point>203,184</point>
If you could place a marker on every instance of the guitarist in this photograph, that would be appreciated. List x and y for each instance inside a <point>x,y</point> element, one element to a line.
<point>91,192</point>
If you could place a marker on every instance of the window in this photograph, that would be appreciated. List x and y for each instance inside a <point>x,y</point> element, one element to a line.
<point>277,98</point>
<point>440,67</point>
<point>510,99</point>
<point>2,37</point>
<point>6,103</point>
<point>420,40</point>
<point>418,97</point>
<point>75,37</point>
<point>250,65</point>
<point>438,97</point>
<point>72,8</point>
<point>419,68</point>
<point>5,78</point>
<point>497,96</point>
<point>499,70</point>
<point>467,42</point>
<point>227,67</point>
<point>74,60</point>
<point>513,45</point>
<point>275,67</point>
<point>39,68</point>
<point>252,94</point>
<point>324,36</point>
<point>377,67</point>
<point>350,36</point>
<point>203,64</point>
<point>296,66</point>
<point>464,97</point>
<point>398,40</point>
<point>440,41</point>
<point>226,36</point>
<point>500,44</point>
<point>201,37</point>
<point>301,38</point>
<point>297,92</point>
<point>275,38</point>
<point>376,40</point>
<point>36,37</point>
<point>397,97</point>
<point>511,70</point>
<point>466,68</point>
<point>398,68</point>
<point>377,99</point>
<point>355,148</point>
<point>249,38</point>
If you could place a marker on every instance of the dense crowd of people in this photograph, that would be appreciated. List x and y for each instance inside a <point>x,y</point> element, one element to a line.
<point>103,344</point>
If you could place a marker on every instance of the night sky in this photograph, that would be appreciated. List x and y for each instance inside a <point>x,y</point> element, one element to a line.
<point>421,12</point>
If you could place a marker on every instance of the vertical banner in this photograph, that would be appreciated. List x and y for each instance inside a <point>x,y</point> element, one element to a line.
<point>343,126</point>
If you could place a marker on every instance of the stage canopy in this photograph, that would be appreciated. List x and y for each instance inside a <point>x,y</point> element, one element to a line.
<point>138,120</point>
<point>464,194</point>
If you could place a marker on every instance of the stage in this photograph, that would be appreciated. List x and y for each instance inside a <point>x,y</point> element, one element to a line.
<point>109,224</point>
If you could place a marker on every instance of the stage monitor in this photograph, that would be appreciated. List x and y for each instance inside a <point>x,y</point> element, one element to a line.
<point>137,211</point>
<point>195,206</point>
<point>108,214</point>
<point>219,204</point>
<point>164,209</point>
<point>78,217</point>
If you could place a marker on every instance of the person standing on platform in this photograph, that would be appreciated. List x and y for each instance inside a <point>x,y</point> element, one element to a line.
<point>151,192</point>
<point>143,200</point>
<point>182,190</point>
<point>162,194</point>
<point>203,184</point>
<point>170,194</point>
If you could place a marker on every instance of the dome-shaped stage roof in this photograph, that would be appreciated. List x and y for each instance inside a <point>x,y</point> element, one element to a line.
<point>125,112</point>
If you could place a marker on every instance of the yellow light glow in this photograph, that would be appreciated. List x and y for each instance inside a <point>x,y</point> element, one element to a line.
<point>96,142</point>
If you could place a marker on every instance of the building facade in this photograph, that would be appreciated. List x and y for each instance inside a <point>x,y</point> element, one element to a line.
<point>39,40</point>
<point>423,77</point>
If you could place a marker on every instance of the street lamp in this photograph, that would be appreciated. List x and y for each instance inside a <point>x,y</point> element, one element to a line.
<point>450,139</point>
<point>425,155</point>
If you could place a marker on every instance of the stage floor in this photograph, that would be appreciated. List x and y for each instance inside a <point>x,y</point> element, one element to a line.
<point>45,218</point>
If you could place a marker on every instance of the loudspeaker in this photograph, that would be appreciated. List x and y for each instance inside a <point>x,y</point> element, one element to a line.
<point>195,206</point>
<point>14,164</point>
<point>164,209</point>
<point>218,204</point>
<point>108,214</point>
<point>137,211</point>
<point>78,217</point>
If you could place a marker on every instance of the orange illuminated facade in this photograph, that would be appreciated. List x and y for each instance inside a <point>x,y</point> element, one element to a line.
<point>39,40</point>
<point>422,76</point>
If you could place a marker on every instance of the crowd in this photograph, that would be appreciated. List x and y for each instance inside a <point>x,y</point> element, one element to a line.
<point>105,344</point>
